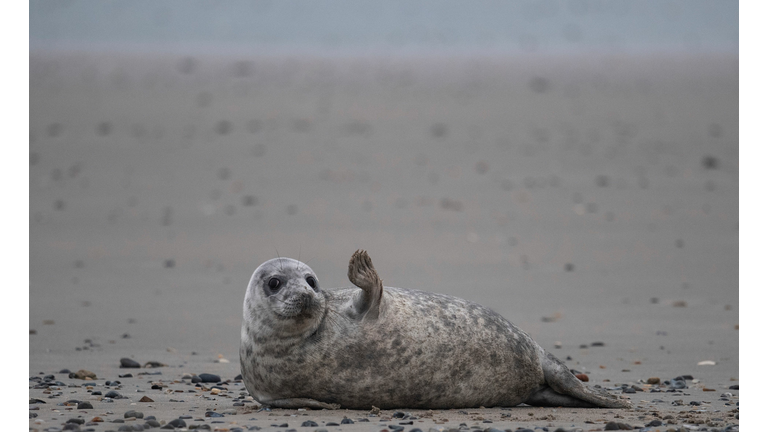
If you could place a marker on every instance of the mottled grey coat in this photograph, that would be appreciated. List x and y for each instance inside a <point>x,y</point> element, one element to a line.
<point>302,346</point>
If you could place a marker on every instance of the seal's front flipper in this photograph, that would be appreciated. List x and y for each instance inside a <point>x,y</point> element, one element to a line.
<point>301,403</point>
<point>362,274</point>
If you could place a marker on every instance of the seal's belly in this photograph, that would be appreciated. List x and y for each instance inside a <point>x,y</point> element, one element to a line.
<point>424,350</point>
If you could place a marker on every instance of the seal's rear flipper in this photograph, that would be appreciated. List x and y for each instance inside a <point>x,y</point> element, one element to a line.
<point>561,381</point>
<point>362,274</point>
<point>294,403</point>
<point>546,397</point>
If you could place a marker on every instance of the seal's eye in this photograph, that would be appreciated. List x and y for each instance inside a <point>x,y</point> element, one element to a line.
<point>312,282</point>
<point>273,283</point>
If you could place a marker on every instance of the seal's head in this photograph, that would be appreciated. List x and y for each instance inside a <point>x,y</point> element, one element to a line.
<point>284,296</point>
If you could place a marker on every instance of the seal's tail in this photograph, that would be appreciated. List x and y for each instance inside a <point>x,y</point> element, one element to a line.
<point>564,389</point>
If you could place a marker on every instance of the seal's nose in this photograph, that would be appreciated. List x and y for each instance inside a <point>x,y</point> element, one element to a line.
<point>305,300</point>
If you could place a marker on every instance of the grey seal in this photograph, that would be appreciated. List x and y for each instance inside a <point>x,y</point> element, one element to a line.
<point>307,347</point>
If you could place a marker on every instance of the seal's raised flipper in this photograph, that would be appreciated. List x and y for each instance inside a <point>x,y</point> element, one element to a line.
<point>362,274</point>
<point>294,403</point>
<point>564,389</point>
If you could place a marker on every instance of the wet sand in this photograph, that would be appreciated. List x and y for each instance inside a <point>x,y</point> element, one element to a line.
<point>586,199</point>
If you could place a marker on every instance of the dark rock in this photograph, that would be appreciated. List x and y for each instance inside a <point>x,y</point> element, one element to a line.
<point>628,390</point>
<point>654,423</point>
<point>597,344</point>
<point>617,426</point>
<point>70,427</point>
<point>396,428</point>
<point>309,423</point>
<point>76,420</point>
<point>113,395</point>
<point>206,377</point>
<point>125,362</point>
<point>734,387</point>
<point>177,423</point>
<point>213,414</point>
<point>347,421</point>
<point>84,405</point>
<point>133,414</point>
<point>125,376</point>
<point>331,424</point>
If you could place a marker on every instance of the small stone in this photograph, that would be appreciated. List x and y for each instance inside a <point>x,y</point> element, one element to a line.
<point>582,377</point>
<point>113,395</point>
<point>707,363</point>
<point>679,303</point>
<point>617,426</point>
<point>76,420</point>
<point>653,380</point>
<point>145,399</point>
<point>628,390</point>
<point>125,362</point>
<point>177,423</point>
<point>152,423</point>
<point>83,374</point>
<point>154,364</point>
<point>133,414</point>
<point>97,420</point>
<point>347,421</point>
<point>213,414</point>
<point>309,423</point>
<point>597,344</point>
<point>84,405</point>
<point>206,377</point>
<point>710,162</point>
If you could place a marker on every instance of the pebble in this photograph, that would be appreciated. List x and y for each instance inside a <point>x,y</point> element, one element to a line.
<point>617,426</point>
<point>83,374</point>
<point>213,414</point>
<point>206,377</point>
<point>84,405</point>
<point>113,395</point>
<point>653,380</point>
<point>152,423</point>
<point>582,377</point>
<point>176,423</point>
<point>133,414</point>
<point>125,362</point>
<point>347,421</point>
<point>309,423</point>
<point>677,383</point>
<point>396,428</point>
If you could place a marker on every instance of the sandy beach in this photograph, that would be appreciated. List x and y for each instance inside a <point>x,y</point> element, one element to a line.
<point>591,200</point>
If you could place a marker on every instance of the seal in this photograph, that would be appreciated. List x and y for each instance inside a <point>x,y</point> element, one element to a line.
<point>306,347</point>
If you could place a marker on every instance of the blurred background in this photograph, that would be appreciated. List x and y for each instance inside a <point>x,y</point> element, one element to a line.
<point>571,164</point>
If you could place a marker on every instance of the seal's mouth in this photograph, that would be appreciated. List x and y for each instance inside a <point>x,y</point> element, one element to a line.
<point>297,305</point>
